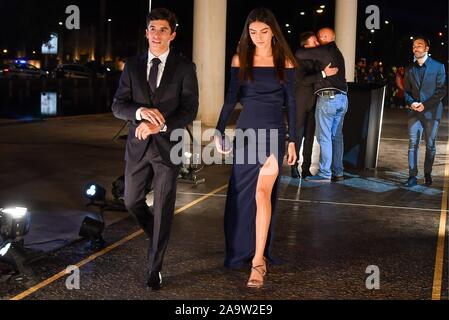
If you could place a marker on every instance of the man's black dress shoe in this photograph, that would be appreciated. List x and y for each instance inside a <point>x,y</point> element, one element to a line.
<point>411,182</point>
<point>337,178</point>
<point>295,172</point>
<point>427,180</point>
<point>154,281</point>
<point>305,173</point>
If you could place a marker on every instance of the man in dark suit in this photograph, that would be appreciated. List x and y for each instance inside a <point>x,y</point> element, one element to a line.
<point>425,88</point>
<point>331,106</point>
<point>309,72</point>
<point>158,93</point>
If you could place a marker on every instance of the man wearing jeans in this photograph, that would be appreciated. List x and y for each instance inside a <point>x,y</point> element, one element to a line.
<point>332,104</point>
<point>308,73</point>
<point>425,88</point>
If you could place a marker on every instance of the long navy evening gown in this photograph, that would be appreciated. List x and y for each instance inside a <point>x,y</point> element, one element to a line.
<point>263,101</point>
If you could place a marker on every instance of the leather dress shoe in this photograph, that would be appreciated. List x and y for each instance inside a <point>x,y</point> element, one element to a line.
<point>154,281</point>
<point>305,173</point>
<point>427,180</point>
<point>295,172</point>
<point>411,182</point>
<point>337,178</point>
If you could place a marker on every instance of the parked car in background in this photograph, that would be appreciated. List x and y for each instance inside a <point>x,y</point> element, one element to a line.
<point>3,69</point>
<point>73,71</point>
<point>100,70</point>
<point>22,69</point>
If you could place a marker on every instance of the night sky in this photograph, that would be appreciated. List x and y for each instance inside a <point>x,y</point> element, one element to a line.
<point>28,22</point>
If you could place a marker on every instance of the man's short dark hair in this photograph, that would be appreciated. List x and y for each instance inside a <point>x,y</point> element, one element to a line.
<point>163,14</point>
<point>426,40</point>
<point>303,37</point>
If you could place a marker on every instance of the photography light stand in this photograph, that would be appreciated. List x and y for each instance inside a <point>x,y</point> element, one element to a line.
<point>18,257</point>
<point>91,227</point>
<point>188,172</point>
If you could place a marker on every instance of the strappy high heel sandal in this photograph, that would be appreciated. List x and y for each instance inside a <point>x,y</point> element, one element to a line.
<point>255,283</point>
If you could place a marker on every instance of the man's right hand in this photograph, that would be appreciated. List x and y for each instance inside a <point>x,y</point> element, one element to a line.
<point>145,129</point>
<point>329,71</point>
<point>414,105</point>
<point>152,115</point>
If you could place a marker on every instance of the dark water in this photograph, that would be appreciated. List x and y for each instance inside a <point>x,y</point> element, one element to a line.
<point>36,98</point>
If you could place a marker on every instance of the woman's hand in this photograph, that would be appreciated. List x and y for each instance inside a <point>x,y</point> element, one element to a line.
<point>291,159</point>
<point>219,145</point>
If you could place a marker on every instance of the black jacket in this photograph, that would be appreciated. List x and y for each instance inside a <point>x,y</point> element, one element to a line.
<point>176,98</point>
<point>326,54</point>
<point>307,75</point>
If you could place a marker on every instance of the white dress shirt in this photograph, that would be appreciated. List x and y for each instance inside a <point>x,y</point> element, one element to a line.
<point>163,57</point>
<point>424,59</point>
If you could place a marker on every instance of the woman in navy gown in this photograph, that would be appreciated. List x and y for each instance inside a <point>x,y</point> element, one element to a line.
<point>262,79</point>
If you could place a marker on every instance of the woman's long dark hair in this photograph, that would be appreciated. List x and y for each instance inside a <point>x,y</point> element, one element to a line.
<point>280,48</point>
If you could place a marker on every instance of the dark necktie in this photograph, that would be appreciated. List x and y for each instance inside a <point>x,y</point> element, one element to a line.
<point>152,79</point>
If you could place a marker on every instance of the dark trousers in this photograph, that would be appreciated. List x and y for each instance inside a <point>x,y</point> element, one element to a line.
<point>416,129</point>
<point>156,223</point>
<point>305,129</point>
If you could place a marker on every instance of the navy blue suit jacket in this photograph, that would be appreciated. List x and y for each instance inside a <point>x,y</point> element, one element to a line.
<point>430,92</point>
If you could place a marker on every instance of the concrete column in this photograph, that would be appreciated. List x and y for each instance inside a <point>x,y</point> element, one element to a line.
<point>76,50</point>
<point>209,51</point>
<point>61,40</point>
<point>108,56</point>
<point>346,33</point>
<point>93,36</point>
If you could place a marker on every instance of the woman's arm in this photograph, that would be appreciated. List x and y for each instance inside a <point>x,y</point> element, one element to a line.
<point>231,96</point>
<point>289,92</point>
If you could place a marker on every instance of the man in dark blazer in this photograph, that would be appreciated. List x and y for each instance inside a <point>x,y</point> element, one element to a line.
<point>309,72</point>
<point>331,106</point>
<point>158,93</point>
<point>425,88</point>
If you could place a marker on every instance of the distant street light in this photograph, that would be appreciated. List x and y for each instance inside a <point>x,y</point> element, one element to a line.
<point>5,50</point>
<point>411,38</point>
<point>287,25</point>
<point>302,13</point>
<point>387,22</point>
<point>320,11</point>
<point>372,30</point>
<point>109,20</point>
<point>60,23</point>
<point>322,6</point>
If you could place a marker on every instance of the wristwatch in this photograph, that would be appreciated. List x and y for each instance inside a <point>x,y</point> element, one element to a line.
<point>163,128</point>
